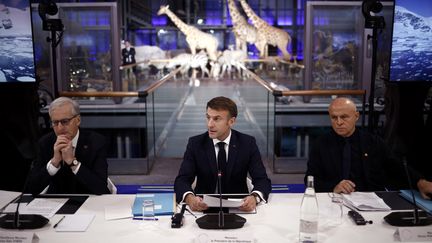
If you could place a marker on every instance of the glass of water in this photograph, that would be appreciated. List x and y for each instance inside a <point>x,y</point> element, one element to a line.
<point>148,209</point>
<point>336,208</point>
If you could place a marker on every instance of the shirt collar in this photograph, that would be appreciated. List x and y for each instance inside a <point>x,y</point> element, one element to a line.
<point>75,140</point>
<point>226,140</point>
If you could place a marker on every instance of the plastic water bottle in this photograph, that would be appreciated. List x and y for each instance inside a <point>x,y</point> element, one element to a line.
<point>309,214</point>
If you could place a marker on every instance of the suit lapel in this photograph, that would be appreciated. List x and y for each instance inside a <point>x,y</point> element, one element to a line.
<point>82,148</point>
<point>211,155</point>
<point>232,154</point>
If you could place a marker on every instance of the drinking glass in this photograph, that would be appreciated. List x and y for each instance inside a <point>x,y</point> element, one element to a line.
<point>148,209</point>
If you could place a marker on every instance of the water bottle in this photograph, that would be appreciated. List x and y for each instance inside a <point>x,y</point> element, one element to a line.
<point>309,214</point>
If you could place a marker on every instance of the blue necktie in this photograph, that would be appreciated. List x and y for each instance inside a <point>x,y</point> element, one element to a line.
<point>221,158</point>
<point>346,159</point>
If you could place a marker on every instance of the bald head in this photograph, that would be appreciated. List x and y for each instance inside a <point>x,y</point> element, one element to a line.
<point>343,115</point>
<point>343,102</point>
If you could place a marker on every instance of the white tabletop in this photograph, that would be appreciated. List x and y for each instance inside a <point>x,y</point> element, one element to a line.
<point>277,221</point>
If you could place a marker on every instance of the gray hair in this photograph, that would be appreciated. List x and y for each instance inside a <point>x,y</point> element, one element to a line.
<point>63,101</point>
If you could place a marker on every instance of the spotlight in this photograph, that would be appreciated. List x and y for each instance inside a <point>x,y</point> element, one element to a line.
<point>369,7</point>
<point>48,7</point>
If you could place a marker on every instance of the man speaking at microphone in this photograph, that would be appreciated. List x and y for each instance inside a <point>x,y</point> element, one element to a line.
<point>69,160</point>
<point>220,142</point>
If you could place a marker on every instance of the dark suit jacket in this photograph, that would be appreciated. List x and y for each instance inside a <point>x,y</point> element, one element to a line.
<point>380,168</point>
<point>92,174</point>
<point>200,161</point>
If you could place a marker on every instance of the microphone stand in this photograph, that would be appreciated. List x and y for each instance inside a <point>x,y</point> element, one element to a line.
<point>220,220</point>
<point>25,221</point>
<point>407,218</point>
<point>415,212</point>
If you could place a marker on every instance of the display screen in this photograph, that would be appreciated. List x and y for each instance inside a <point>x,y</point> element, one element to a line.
<point>16,43</point>
<point>411,54</point>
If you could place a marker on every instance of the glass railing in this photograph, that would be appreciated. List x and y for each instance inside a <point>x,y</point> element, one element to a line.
<point>294,117</point>
<point>133,122</point>
<point>258,100</point>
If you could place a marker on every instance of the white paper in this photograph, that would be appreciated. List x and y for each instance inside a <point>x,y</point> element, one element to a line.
<point>215,202</point>
<point>6,197</point>
<point>224,237</point>
<point>75,222</point>
<point>46,207</point>
<point>117,212</point>
<point>365,201</point>
<point>11,208</point>
<point>413,234</point>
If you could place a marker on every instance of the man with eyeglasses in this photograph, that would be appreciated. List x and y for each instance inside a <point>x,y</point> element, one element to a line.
<point>348,159</point>
<point>70,160</point>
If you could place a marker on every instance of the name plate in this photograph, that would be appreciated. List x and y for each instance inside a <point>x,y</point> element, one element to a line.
<point>213,237</point>
<point>17,237</point>
<point>413,234</point>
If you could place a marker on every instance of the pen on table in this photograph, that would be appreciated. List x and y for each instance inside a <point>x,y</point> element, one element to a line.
<point>148,219</point>
<point>191,213</point>
<point>55,226</point>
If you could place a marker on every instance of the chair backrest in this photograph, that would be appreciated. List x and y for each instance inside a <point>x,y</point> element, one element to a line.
<point>111,187</point>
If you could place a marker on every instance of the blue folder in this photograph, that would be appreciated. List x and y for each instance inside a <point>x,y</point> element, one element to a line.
<point>164,203</point>
<point>424,204</point>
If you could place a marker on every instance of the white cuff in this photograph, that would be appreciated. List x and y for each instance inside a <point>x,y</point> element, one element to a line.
<point>261,196</point>
<point>75,171</point>
<point>52,170</point>
<point>184,196</point>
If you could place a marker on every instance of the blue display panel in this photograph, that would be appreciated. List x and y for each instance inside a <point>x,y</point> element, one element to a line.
<point>411,55</point>
<point>16,43</point>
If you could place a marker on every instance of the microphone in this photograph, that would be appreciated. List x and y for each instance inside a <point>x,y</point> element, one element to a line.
<point>177,219</point>
<point>405,219</point>
<point>220,220</point>
<point>25,221</point>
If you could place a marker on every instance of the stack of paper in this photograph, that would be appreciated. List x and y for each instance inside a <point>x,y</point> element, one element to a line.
<point>46,207</point>
<point>365,201</point>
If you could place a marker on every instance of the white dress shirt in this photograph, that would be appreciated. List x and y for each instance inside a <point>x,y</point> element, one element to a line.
<point>52,170</point>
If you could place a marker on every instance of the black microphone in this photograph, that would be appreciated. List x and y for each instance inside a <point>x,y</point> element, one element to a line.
<point>220,220</point>
<point>414,218</point>
<point>25,221</point>
<point>177,219</point>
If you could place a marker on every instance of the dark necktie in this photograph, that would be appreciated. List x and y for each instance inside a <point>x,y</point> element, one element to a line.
<point>221,158</point>
<point>346,159</point>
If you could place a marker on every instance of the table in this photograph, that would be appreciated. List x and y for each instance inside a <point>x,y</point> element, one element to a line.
<point>277,221</point>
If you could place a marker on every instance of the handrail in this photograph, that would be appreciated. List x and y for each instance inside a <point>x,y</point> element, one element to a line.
<point>261,81</point>
<point>277,92</point>
<point>323,92</point>
<point>123,67</point>
<point>140,94</point>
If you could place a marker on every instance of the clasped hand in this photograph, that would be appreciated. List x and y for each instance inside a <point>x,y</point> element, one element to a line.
<point>63,150</point>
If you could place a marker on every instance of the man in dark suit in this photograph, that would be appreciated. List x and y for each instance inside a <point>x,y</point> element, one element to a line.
<point>348,159</point>
<point>205,152</point>
<point>69,160</point>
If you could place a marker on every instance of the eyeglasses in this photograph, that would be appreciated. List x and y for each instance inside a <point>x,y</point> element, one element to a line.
<point>63,122</point>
